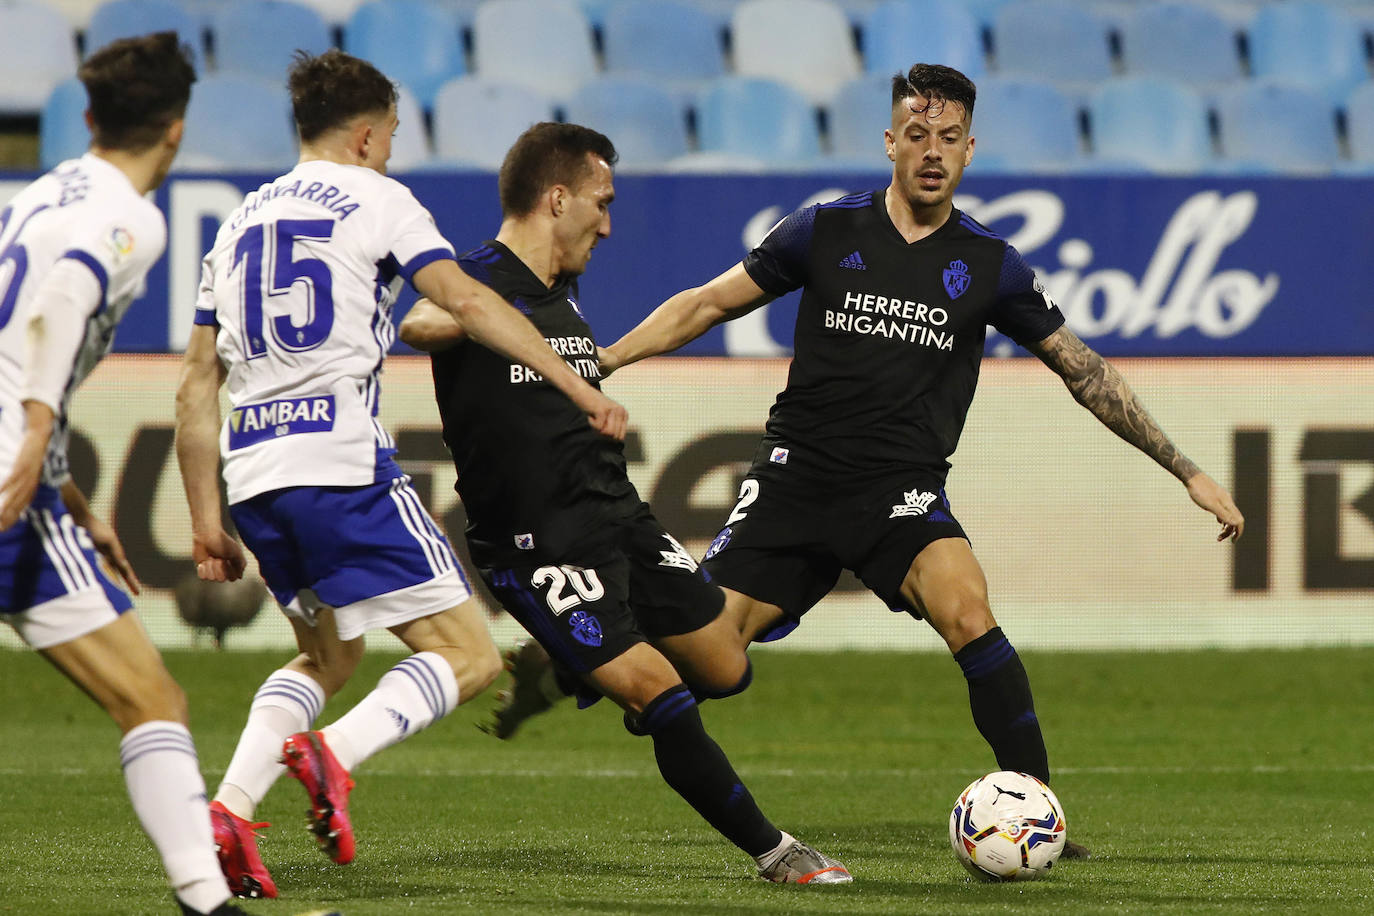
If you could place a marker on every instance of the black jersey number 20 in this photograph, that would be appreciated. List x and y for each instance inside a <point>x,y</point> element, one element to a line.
<point>586,586</point>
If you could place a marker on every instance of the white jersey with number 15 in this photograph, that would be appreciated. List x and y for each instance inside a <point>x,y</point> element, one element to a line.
<point>300,283</point>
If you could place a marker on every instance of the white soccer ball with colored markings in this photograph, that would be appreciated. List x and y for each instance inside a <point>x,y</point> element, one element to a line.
<point>1007,827</point>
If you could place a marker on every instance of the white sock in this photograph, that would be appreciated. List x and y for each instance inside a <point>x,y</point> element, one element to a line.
<point>420,690</point>
<point>286,703</point>
<point>168,794</point>
<point>768,858</point>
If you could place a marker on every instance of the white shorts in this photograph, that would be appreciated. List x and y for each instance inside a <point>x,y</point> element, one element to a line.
<point>372,553</point>
<point>52,589</point>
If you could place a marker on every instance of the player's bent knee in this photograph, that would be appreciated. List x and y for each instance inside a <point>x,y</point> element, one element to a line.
<point>661,711</point>
<point>705,691</point>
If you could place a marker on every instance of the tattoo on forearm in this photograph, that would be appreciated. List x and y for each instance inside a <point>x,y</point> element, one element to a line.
<point>1097,385</point>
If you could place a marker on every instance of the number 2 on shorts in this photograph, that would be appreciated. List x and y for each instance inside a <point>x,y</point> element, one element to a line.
<point>748,492</point>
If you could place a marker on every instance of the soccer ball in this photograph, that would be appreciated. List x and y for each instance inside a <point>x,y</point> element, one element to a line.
<point>1007,827</point>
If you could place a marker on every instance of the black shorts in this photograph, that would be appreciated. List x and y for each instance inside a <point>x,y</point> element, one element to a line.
<point>789,536</point>
<point>645,587</point>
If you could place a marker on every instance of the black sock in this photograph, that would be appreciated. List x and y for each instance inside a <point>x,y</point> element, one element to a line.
<point>697,769</point>
<point>1000,696</point>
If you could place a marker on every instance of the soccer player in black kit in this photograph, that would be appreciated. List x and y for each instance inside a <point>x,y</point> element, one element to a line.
<point>557,530</point>
<point>898,287</point>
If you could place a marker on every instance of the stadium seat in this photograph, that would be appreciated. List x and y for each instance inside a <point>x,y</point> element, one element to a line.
<point>643,120</point>
<point>476,120</point>
<point>414,42</point>
<point>758,118</point>
<point>334,12</point>
<point>900,33</point>
<point>37,51</point>
<point>62,130</point>
<point>1359,123</point>
<point>806,44</point>
<point>126,18</point>
<point>1149,122</point>
<point>1279,127</point>
<point>861,111</point>
<point>1051,40</point>
<point>542,45</point>
<point>258,37</point>
<point>666,39</point>
<point>1308,44</point>
<point>1180,41</point>
<point>410,146</point>
<point>238,122</point>
<point>1026,126</point>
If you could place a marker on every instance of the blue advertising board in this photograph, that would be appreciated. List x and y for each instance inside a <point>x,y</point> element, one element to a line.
<point>1141,266</point>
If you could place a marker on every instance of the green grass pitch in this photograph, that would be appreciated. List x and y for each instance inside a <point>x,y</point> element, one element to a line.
<point>1209,782</point>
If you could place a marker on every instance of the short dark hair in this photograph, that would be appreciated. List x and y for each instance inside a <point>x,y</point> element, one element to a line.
<point>333,88</point>
<point>137,87</point>
<point>935,82</point>
<point>547,154</point>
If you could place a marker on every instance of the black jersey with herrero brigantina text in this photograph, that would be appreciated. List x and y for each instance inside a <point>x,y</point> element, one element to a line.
<point>538,483</point>
<point>889,333</point>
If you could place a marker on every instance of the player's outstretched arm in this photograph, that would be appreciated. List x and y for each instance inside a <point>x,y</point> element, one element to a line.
<point>429,328</point>
<point>218,557</point>
<point>494,323</point>
<point>685,317</point>
<point>1097,385</point>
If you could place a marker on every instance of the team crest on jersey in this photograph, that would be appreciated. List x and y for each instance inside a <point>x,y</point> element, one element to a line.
<point>678,557</point>
<point>916,502</point>
<point>524,542</point>
<point>586,629</point>
<point>957,279</point>
<point>721,541</point>
<point>779,455</point>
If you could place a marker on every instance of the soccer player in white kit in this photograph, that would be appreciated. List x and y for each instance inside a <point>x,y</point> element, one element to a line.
<point>295,315</point>
<point>74,249</point>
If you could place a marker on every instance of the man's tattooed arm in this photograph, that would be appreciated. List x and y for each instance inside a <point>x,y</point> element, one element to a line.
<point>1097,385</point>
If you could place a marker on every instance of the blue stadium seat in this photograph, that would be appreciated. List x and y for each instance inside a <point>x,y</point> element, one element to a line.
<point>476,120</point>
<point>1359,123</point>
<point>333,12</point>
<point>1026,126</point>
<point>410,147</point>
<point>806,44</point>
<point>258,37</point>
<point>861,111</point>
<point>126,18</point>
<point>238,122</point>
<point>62,130</point>
<point>668,39</point>
<point>1308,44</point>
<point>543,45</point>
<point>37,51</point>
<point>643,120</point>
<point>1180,41</point>
<point>1150,122</point>
<point>1276,126</point>
<point>758,118</point>
<point>414,42</point>
<point>903,32</point>
<point>1051,40</point>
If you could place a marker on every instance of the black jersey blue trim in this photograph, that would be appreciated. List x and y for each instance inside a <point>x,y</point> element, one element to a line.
<point>977,228</point>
